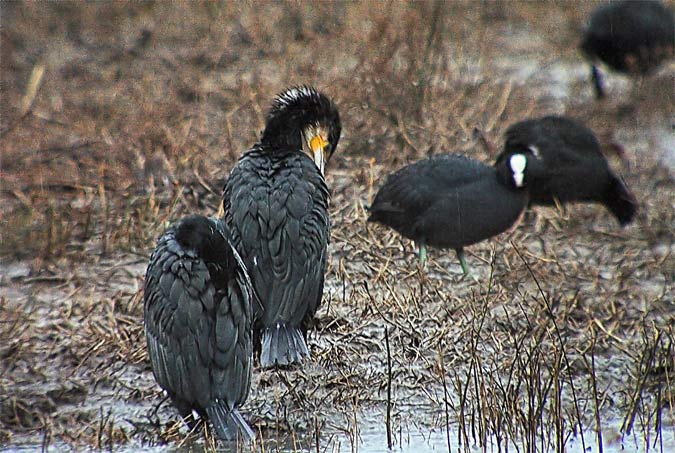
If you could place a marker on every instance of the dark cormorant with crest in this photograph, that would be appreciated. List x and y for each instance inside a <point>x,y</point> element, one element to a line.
<point>275,202</point>
<point>630,36</point>
<point>198,319</point>
<point>564,162</point>
<point>447,201</point>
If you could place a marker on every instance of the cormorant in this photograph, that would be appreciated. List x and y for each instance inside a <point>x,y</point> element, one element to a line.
<point>447,201</point>
<point>198,318</point>
<point>630,36</point>
<point>563,162</point>
<point>276,204</point>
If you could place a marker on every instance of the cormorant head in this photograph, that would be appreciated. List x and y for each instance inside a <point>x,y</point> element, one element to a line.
<point>303,118</point>
<point>208,237</point>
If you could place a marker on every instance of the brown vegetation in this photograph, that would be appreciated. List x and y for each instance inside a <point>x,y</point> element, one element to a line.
<point>118,118</point>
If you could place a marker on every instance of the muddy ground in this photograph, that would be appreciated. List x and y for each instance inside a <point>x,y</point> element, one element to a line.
<point>118,118</point>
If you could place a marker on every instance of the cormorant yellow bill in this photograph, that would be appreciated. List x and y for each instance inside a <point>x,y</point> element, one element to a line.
<point>317,145</point>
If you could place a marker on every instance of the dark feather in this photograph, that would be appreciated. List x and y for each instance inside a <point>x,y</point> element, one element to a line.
<point>447,201</point>
<point>276,204</point>
<point>630,36</point>
<point>568,165</point>
<point>198,316</point>
<point>284,234</point>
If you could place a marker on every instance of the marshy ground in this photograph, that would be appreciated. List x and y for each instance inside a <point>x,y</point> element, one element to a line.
<point>118,118</point>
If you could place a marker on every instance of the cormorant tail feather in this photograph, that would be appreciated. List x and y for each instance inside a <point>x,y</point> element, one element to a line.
<point>228,423</point>
<point>282,346</point>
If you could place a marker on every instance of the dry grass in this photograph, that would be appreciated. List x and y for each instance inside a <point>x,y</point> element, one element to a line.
<point>141,111</point>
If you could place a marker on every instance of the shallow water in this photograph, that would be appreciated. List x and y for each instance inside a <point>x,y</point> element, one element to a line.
<point>373,439</point>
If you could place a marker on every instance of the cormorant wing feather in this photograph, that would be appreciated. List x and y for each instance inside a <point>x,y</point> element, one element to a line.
<point>278,213</point>
<point>197,321</point>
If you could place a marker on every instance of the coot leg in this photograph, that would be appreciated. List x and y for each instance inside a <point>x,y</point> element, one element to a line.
<point>423,254</point>
<point>462,261</point>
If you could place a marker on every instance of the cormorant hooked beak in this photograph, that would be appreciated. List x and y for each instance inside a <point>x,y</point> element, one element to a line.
<point>317,143</point>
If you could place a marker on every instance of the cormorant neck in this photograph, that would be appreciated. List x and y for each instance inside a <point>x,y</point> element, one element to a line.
<point>281,139</point>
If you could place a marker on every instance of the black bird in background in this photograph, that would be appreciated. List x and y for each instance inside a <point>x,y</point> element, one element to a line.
<point>564,163</point>
<point>447,201</point>
<point>198,320</point>
<point>630,36</point>
<point>276,204</point>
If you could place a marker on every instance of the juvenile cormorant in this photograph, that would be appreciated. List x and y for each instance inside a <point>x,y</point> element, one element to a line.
<point>563,162</point>
<point>198,320</point>
<point>630,36</point>
<point>447,201</point>
<point>276,204</point>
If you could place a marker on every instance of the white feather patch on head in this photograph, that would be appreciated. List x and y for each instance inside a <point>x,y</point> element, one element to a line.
<point>518,162</point>
<point>535,151</point>
<point>292,95</point>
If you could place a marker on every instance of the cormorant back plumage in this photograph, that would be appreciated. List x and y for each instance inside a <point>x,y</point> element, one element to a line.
<point>198,317</point>
<point>447,201</point>
<point>564,163</point>
<point>276,204</point>
<point>630,36</point>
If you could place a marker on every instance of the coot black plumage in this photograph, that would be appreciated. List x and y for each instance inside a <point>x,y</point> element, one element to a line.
<point>630,36</point>
<point>276,204</point>
<point>198,319</point>
<point>447,201</point>
<point>564,162</point>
